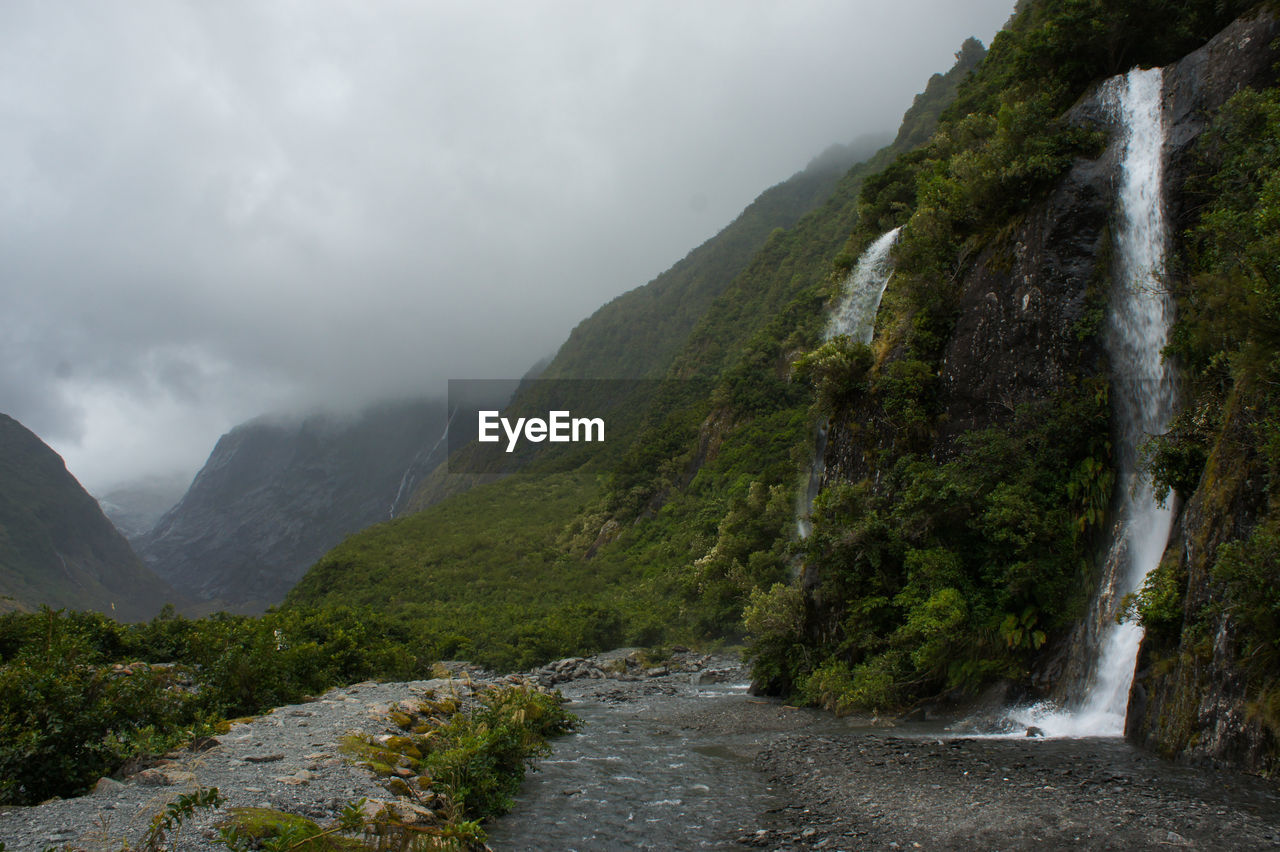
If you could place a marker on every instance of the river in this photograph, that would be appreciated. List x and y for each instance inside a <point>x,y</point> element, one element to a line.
<point>675,762</point>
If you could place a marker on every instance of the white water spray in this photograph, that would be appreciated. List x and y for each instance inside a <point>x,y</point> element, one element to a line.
<point>1143,395</point>
<point>855,317</point>
<point>856,313</point>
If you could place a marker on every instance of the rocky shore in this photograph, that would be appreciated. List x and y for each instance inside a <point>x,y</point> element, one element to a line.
<point>676,755</point>
<point>883,791</point>
<point>787,778</point>
<point>287,760</point>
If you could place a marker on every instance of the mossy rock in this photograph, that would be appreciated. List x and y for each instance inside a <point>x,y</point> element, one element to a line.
<point>405,746</point>
<point>378,760</point>
<point>265,823</point>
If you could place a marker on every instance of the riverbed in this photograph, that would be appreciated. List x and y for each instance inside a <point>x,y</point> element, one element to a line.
<point>674,762</point>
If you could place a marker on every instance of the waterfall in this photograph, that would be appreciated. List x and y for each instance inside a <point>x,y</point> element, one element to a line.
<point>416,467</point>
<point>1142,394</point>
<point>854,317</point>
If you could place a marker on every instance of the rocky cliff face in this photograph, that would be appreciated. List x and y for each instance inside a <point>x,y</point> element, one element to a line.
<point>1190,697</point>
<point>1029,312</point>
<point>275,496</point>
<point>56,546</point>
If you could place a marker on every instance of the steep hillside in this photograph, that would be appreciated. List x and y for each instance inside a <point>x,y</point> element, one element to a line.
<point>1209,676</point>
<point>975,467</point>
<point>680,501</point>
<point>677,326</point>
<point>56,546</point>
<point>275,495</point>
<point>135,508</point>
<point>638,333</point>
<point>978,460</point>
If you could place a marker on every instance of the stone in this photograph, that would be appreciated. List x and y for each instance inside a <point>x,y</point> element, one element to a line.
<point>163,777</point>
<point>107,787</point>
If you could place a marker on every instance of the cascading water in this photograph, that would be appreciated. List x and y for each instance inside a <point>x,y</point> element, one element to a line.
<point>856,313</point>
<point>417,468</point>
<point>855,317</point>
<point>1143,396</point>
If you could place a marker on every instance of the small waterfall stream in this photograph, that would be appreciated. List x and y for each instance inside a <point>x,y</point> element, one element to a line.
<point>1142,394</point>
<point>854,317</point>
<point>418,469</point>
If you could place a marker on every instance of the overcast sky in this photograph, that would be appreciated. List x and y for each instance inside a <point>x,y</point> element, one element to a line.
<point>211,210</point>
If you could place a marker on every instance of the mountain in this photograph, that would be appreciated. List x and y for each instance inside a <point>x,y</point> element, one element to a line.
<point>637,334</point>
<point>136,507</point>
<point>1066,418</point>
<point>275,494</point>
<point>641,333</point>
<point>56,546</point>
<point>569,537</point>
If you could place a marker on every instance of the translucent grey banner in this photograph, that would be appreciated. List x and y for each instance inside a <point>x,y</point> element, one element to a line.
<point>504,426</point>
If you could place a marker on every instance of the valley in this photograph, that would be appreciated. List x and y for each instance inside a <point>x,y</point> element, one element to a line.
<point>969,444</point>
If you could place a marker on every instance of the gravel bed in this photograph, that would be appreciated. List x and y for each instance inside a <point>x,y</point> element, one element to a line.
<point>786,778</point>
<point>287,759</point>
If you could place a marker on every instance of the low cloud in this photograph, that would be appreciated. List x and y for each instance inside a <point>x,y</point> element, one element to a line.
<point>213,210</point>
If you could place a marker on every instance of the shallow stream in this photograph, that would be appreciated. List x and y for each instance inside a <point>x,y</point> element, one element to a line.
<point>666,763</point>
<point>654,766</point>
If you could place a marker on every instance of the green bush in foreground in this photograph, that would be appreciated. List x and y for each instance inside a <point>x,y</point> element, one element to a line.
<point>75,705</point>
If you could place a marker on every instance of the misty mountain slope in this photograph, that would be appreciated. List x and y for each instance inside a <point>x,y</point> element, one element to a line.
<point>970,466</point>
<point>136,507</point>
<point>638,333</point>
<point>275,495</point>
<point>643,331</point>
<point>657,499</point>
<point>688,321</point>
<point>56,546</point>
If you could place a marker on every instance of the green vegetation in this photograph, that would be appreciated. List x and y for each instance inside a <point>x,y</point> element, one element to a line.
<point>941,557</point>
<point>468,762</point>
<point>1224,449</point>
<point>75,705</point>
<point>945,559</point>
<point>949,573</point>
<point>496,575</point>
<point>465,760</point>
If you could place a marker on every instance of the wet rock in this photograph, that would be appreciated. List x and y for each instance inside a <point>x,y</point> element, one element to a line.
<point>1188,699</point>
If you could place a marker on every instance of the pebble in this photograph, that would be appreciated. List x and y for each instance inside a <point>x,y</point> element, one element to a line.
<point>275,752</point>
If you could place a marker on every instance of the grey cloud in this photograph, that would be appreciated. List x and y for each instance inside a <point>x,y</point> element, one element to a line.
<point>211,209</point>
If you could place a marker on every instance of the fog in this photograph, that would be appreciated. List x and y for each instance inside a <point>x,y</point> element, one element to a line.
<point>215,210</point>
